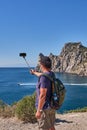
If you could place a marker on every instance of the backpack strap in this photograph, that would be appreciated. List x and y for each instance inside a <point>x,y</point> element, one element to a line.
<point>46,75</point>
<point>49,76</point>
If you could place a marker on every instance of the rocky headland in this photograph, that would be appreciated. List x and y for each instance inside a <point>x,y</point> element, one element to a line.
<point>72,59</point>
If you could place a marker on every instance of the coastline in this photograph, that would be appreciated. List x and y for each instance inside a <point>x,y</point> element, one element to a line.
<point>69,121</point>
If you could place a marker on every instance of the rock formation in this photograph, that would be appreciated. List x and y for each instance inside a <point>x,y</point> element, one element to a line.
<point>72,59</point>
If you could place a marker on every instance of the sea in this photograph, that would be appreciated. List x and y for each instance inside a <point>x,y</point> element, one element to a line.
<point>16,83</point>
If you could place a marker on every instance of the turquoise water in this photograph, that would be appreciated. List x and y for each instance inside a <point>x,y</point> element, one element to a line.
<point>15,83</point>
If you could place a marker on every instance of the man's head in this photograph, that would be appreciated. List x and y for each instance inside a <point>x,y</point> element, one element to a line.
<point>45,61</point>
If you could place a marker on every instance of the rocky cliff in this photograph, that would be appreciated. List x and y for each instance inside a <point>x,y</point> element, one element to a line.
<point>72,59</point>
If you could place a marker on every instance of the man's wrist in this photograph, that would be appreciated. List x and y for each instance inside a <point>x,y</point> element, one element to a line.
<point>40,110</point>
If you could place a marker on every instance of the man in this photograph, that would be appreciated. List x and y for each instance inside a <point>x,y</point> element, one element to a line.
<point>45,114</point>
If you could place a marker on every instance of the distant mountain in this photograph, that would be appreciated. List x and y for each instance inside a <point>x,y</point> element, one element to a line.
<point>72,59</point>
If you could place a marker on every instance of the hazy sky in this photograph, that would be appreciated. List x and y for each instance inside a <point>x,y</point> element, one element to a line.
<point>35,26</point>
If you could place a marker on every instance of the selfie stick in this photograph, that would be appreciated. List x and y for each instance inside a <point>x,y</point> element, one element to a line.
<point>24,55</point>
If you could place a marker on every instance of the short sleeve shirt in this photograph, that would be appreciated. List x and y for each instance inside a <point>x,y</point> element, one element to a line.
<point>44,82</point>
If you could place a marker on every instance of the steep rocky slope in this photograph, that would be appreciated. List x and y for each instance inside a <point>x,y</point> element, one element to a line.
<point>72,59</point>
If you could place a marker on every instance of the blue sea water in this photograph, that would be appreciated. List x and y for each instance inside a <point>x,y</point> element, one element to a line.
<point>15,83</point>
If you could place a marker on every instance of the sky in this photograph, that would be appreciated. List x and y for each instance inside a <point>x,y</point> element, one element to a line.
<point>39,26</point>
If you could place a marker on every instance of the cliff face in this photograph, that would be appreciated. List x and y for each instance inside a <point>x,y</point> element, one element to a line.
<point>72,59</point>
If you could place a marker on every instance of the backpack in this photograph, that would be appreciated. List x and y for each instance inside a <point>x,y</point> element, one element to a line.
<point>58,91</point>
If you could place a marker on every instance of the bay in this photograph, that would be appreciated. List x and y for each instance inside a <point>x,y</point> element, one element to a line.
<point>15,83</point>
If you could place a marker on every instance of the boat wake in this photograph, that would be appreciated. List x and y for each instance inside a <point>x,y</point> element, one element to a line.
<point>27,84</point>
<point>34,84</point>
<point>76,84</point>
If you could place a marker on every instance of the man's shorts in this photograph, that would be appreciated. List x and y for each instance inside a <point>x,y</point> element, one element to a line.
<point>47,119</point>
